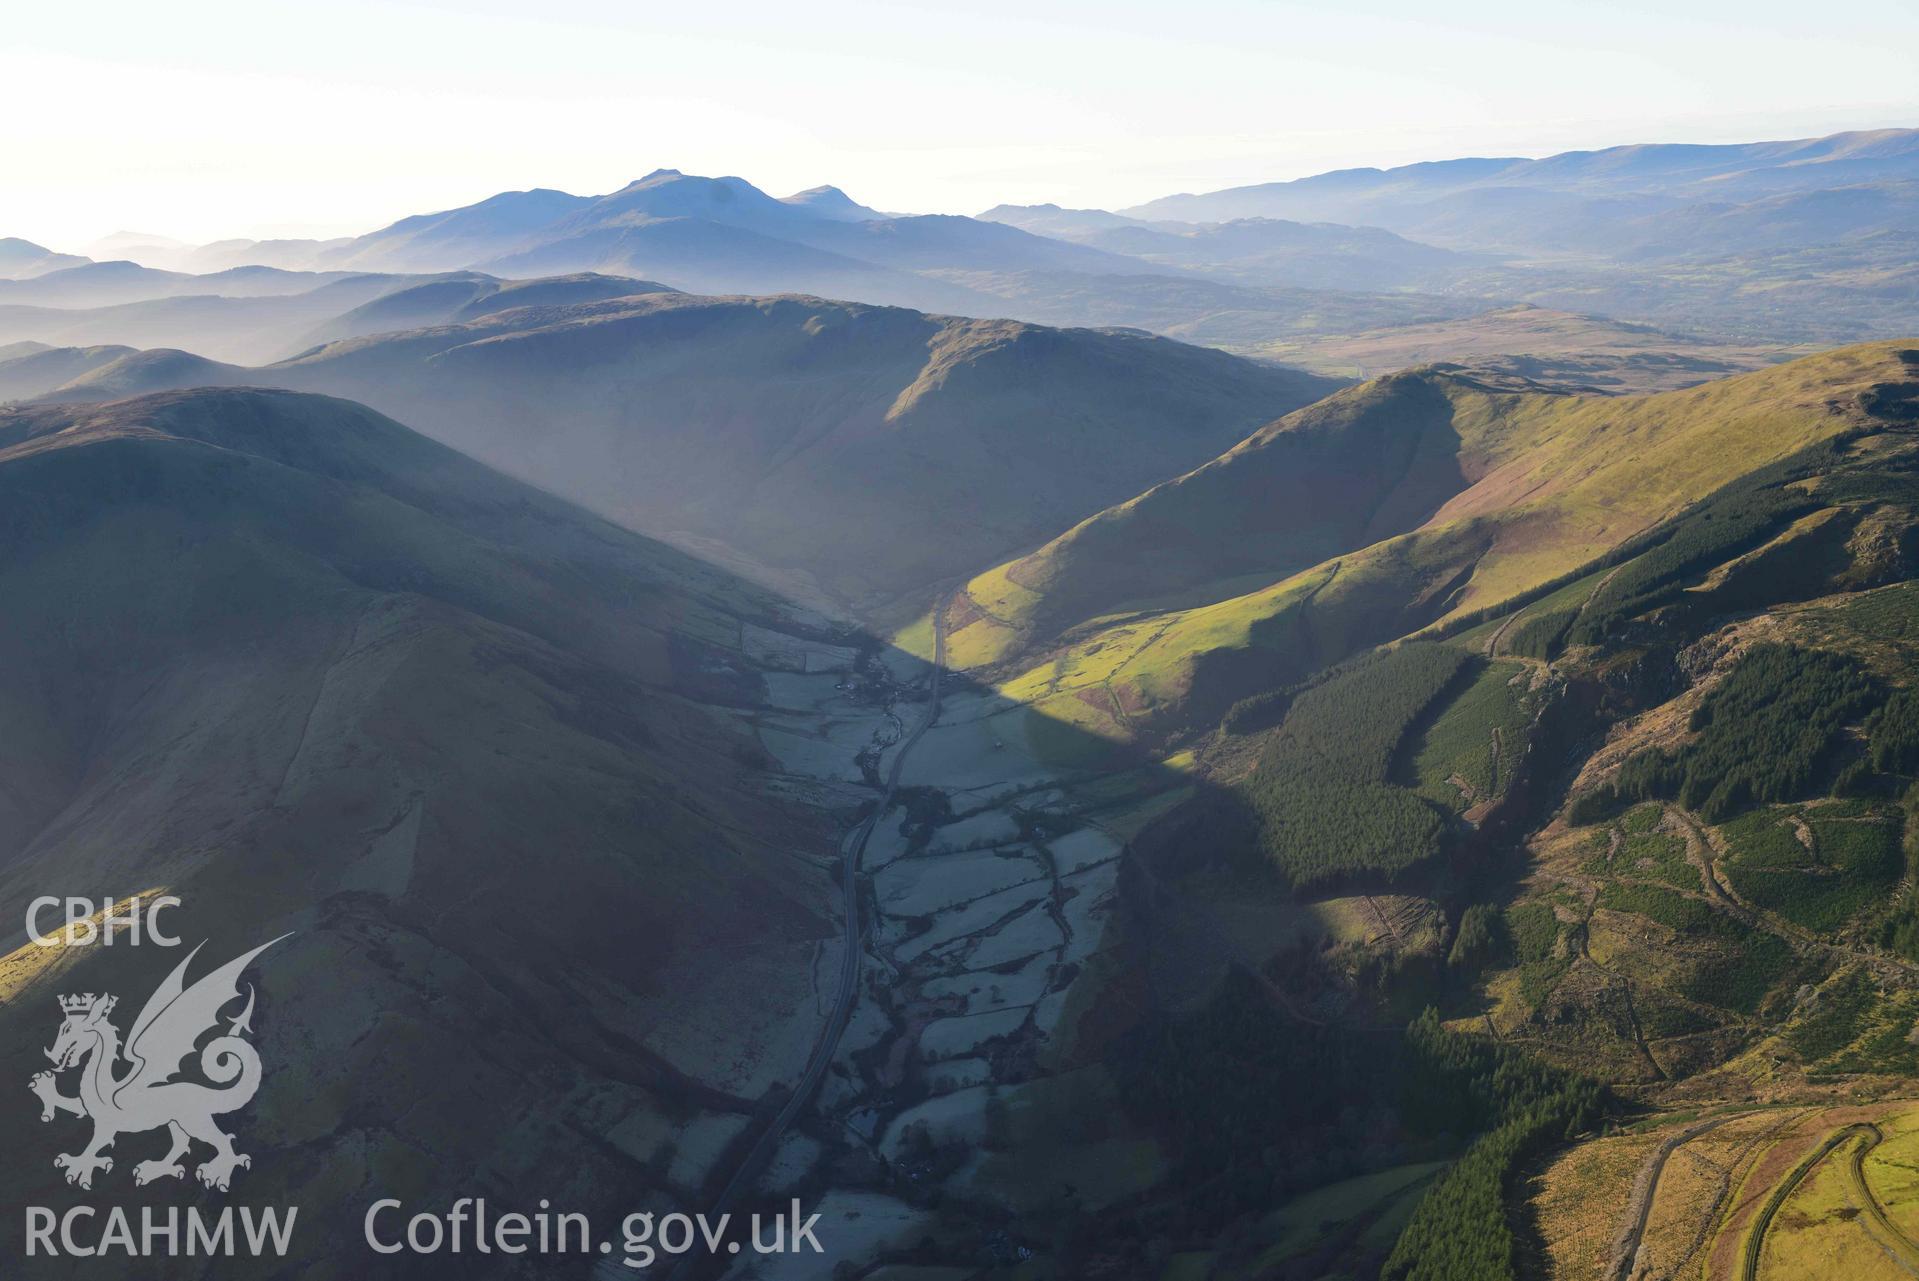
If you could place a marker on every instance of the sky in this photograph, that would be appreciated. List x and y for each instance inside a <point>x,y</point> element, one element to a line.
<point>204,119</point>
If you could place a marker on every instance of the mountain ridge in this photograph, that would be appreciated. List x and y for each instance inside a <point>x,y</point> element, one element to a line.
<point>328,677</point>
<point>830,430</point>
<point>1194,588</point>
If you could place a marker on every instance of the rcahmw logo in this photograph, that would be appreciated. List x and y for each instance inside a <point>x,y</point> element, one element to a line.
<point>141,1084</point>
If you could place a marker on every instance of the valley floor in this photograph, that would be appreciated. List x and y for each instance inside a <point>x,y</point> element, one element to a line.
<point>985,885</point>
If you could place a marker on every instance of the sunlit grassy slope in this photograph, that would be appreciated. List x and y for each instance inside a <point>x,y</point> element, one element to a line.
<point>1386,508</point>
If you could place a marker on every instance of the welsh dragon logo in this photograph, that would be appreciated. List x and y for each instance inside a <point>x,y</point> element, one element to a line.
<point>146,1096</point>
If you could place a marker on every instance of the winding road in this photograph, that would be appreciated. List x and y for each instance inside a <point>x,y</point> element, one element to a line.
<point>761,1152</point>
<point>1892,1237</point>
<point>1864,1137</point>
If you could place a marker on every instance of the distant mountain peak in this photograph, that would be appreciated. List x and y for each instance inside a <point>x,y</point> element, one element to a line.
<point>657,178</point>
<point>828,201</point>
<point>24,258</point>
<point>513,197</point>
<point>139,238</point>
<point>1056,220</point>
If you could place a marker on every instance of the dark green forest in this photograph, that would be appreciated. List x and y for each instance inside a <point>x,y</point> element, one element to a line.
<point>1460,1230</point>
<point>1765,735</point>
<point>1320,793</point>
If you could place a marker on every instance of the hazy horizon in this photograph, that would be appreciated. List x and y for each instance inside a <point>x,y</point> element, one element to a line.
<point>381,111</point>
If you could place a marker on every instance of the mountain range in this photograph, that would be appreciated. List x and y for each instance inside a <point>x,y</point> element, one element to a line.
<point>1052,798</point>
<point>813,437</point>
<point>1786,242</point>
<point>1838,184</point>
<point>316,671</point>
<point>712,235</point>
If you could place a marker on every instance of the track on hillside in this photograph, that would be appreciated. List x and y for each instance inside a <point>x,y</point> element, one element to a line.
<point>1756,1234</point>
<point>1894,1239</point>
